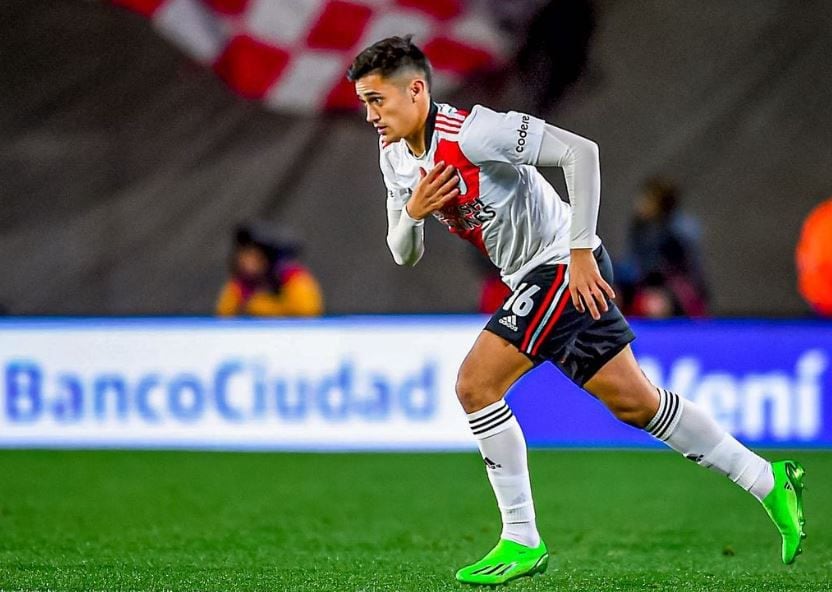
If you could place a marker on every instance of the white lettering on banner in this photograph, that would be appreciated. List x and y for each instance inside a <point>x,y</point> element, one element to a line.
<point>789,406</point>
<point>331,384</point>
<point>267,385</point>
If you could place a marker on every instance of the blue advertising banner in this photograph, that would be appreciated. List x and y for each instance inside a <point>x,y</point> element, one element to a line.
<point>377,383</point>
<point>769,383</point>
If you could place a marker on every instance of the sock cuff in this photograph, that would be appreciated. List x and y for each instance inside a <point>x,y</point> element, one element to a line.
<point>491,420</point>
<point>668,415</point>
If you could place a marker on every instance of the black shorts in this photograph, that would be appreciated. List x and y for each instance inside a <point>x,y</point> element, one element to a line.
<point>540,320</point>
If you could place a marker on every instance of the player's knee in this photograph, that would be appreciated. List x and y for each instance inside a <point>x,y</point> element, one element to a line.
<point>472,395</point>
<point>466,391</point>
<point>630,410</point>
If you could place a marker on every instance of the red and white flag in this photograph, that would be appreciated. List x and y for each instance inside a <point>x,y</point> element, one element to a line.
<point>293,54</point>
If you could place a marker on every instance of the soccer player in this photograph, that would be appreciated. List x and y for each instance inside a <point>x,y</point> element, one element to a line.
<point>475,172</point>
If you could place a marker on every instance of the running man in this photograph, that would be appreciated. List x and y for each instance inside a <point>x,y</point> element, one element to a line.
<point>475,172</point>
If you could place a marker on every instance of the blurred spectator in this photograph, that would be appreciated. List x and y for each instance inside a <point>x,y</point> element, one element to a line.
<point>663,276</point>
<point>814,259</point>
<point>266,277</point>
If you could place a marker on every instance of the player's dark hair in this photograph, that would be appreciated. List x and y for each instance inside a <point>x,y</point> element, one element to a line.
<point>387,57</point>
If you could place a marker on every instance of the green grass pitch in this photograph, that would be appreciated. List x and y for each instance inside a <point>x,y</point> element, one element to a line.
<point>614,520</point>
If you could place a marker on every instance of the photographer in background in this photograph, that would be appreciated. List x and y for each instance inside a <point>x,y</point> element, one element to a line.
<point>267,280</point>
<point>663,276</point>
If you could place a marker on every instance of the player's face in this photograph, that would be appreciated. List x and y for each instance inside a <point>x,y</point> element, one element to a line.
<point>390,106</point>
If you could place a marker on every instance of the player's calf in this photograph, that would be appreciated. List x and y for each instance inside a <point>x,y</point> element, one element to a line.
<point>636,411</point>
<point>688,429</point>
<point>625,391</point>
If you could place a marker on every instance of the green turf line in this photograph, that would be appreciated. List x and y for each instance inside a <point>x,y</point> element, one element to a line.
<point>387,522</point>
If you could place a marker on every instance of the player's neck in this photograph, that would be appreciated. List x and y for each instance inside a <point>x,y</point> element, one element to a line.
<point>418,141</point>
<point>416,144</point>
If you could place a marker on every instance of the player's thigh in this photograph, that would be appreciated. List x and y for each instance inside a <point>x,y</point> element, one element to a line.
<point>622,386</point>
<point>488,371</point>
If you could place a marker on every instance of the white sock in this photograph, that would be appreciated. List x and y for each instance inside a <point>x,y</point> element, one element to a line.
<point>503,449</point>
<point>686,428</point>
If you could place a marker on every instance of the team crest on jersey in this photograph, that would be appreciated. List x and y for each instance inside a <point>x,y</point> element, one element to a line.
<point>465,216</point>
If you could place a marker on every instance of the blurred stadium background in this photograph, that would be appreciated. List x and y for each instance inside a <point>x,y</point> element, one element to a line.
<point>124,161</point>
<point>135,135</point>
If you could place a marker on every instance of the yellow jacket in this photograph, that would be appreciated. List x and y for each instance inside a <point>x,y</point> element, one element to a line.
<point>299,296</point>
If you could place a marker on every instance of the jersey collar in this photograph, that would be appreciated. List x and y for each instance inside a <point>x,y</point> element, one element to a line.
<point>429,125</point>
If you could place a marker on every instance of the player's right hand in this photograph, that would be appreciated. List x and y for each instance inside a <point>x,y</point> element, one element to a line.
<point>589,289</point>
<point>434,191</point>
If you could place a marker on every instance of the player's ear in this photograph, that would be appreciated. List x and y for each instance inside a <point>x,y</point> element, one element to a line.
<point>417,88</point>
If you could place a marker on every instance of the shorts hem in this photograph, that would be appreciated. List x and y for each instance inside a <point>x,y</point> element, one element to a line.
<point>536,360</point>
<point>608,355</point>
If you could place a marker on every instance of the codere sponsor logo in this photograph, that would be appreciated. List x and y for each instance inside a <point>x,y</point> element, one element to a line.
<point>522,133</point>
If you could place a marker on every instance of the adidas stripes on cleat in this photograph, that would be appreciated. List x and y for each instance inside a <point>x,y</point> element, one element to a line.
<point>784,505</point>
<point>505,562</point>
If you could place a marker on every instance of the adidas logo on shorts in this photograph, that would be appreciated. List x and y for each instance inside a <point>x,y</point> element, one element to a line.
<point>510,321</point>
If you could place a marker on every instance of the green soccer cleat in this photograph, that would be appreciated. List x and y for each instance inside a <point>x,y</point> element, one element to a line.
<point>505,562</point>
<point>784,505</point>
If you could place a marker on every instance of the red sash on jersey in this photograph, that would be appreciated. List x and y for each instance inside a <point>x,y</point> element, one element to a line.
<point>465,215</point>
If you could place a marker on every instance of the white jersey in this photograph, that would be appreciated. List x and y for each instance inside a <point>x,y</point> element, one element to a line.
<point>506,208</point>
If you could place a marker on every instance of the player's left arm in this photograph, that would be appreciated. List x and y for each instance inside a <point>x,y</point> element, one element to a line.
<point>580,161</point>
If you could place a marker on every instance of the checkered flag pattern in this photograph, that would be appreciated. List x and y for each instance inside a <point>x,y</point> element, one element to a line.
<point>293,54</point>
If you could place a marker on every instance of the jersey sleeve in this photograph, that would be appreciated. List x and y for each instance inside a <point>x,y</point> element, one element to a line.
<point>405,236</point>
<point>512,138</point>
<point>397,195</point>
